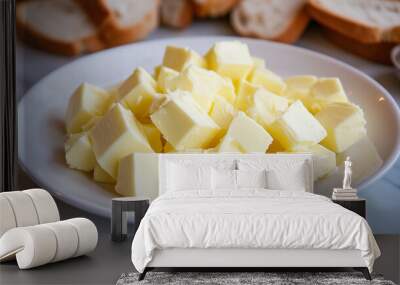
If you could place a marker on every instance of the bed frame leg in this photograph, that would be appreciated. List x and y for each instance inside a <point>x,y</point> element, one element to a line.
<point>143,274</point>
<point>365,272</point>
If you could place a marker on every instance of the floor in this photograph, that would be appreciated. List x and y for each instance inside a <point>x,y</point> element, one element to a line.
<point>110,260</point>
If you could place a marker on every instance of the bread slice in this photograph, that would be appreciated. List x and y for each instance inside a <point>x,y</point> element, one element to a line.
<point>277,20</point>
<point>176,13</point>
<point>367,21</point>
<point>122,21</point>
<point>58,26</point>
<point>213,8</point>
<point>378,52</point>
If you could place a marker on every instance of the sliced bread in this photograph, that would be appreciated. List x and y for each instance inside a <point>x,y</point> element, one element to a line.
<point>58,26</point>
<point>122,21</point>
<point>176,13</point>
<point>278,20</point>
<point>366,21</point>
<point>378,52</point>
<point>213,8</point>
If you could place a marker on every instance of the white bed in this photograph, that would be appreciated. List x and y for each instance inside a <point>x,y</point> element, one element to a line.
<point>249,227</point>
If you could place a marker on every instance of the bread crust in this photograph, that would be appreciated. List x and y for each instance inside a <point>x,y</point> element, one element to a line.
<point>213,8</point>
<point>110,31</point>
<point>38,40</point>
<point>292,33</point>
<point>377,52</point>
<point>350,27</point>
<point>181,20</point>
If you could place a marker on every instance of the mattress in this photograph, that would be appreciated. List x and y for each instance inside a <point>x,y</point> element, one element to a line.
<point>250,218</point>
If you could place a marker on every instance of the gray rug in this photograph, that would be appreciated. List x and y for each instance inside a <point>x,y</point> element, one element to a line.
<point>243,278</point>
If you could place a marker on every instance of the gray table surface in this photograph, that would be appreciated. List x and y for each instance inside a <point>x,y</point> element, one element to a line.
<point>110,259</point>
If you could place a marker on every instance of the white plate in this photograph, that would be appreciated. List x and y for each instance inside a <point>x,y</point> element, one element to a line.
<point>41,111</point>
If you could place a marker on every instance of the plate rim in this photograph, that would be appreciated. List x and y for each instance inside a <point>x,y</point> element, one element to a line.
<point>90,207</point>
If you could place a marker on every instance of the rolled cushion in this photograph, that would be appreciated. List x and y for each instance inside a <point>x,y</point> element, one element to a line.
<point>40,244</point>
<point>7,218</point>
<point>45,205</point>
<point>23,208</point>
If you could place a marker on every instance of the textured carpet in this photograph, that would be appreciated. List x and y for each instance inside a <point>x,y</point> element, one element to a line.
<point>243,278</point>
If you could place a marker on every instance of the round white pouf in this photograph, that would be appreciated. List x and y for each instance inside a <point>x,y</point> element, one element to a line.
<point>23,208</point>
<point>87,235</point>
<point>67,239</point>
<point>33,246</point>
<point>45,205</point>
<point>7,218</point>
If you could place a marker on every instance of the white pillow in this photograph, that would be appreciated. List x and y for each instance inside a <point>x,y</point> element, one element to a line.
<point>295,181</point>
<point>251,179</point>
<point>224,179</point>
<point>187,177</point>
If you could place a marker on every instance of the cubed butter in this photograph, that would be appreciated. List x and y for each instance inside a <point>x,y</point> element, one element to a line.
<point>139,76</point>
<point>203,85</point>
<point>183,123</point>
<point>268,80</point>
<point>90,124</point>
<point>222,112</point>
<point>116,135</point>
<point>299,88</point>
<point>86,102</point>
<point>365,159</point>
<point>325,91</point>
<point>101,176</point>
<point>179,58</point>
<point>154,137</point>
<point>168,148</point>
<point>324,160</point>
<point>79,153</point>
<point>165,74</point>
<point>258,62</point>
<point>228,144</point>
<point>344,123</point>
<point>227,89</point>
<point>250,136</point>
<point>297,126</point>
<point>244,95</point>
<point>230,59</point>
<point>266,107</point>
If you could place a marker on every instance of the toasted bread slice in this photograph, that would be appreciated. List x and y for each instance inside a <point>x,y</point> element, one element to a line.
<point>277,20</point>
<point>58,26</point>
<point>122,21</point>
<point>367,21</point>
<point>176,13</point>
<point>213,8</point>
<point>378,52</point>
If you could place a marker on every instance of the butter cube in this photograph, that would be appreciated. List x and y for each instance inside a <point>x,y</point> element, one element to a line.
<point>101,176</point>
<point>230,59</point>
<point>244,95</point>
<point>268,80</point>
<point>228,144</point>
<point>299,88</point>
<point>90,124</point>
<point>183,123</point>
<point>325,91</point>
<point>297,126</point>
<point>201,83</point>
<point>138,76</point>
<point>86,102</point>
<point>168,148</point>
<point>179,58</point>
<point>116,135</point>
<point>164,75</point>
<point>365,159</point>
<point>138,93</point>
<point>156,71</point>
<point>222,112</point>
<point>266,107</point>
<point>133,174</point>
<point>250,136</point>
<point>227,90</point>
<point>154,137</point>
<point>324,160</point>
<point>344,123</point>
<point>79,153</point>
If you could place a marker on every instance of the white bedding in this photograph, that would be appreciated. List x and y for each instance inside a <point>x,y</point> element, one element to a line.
<point>250,218</point>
